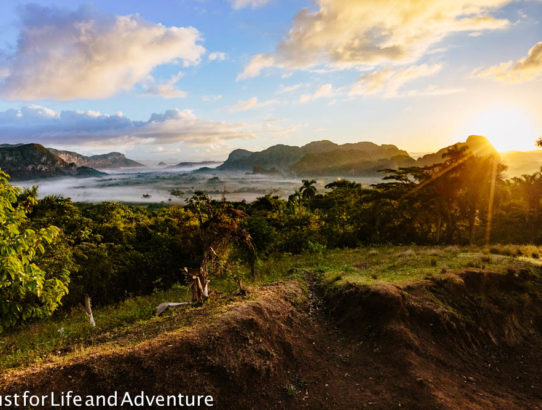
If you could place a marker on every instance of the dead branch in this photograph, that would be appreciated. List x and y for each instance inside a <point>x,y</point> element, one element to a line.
<point>162,307</point>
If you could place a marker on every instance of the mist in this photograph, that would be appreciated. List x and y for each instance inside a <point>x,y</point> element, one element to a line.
<point>155,185</point>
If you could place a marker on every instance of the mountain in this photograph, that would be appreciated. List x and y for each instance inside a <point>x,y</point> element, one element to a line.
<point>359,159</point>
<point>281,157</point>
<point>319,158</point>
<point>110,160</point>
<point>32,161</point>
<point>479,146</point>
<point>195,164</point>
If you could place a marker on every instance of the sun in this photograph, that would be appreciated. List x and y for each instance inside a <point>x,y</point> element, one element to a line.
<point>507,127</point>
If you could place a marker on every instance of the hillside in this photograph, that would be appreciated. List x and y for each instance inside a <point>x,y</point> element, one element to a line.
<point>323,158</point>
<point>352,159</point>
<point>339,330</point>
<point>104,161</point>
<point>479,146</point>
<point>281,157</point>
<point>195,164</point>
<point>32,161</point>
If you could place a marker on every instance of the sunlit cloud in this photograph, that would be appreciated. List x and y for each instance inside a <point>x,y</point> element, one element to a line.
<point>256,65</point>
<point>167,89</point>
<point>250,104</point>
<point>325,91</point>
<point>289,89</point>
<point>89,54</point>
<point>523,70</point>
<point>365,34</point>
<point>389,82</point>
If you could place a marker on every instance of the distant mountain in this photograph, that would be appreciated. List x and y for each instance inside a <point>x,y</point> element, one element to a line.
<point>360,159</point>
<point>110,160</point>
<point>319,158</point>
<point>281,157</point>
<point>195,164</point>
<point>517,162</point>
<point>33,161</point>
<point>479,146</point>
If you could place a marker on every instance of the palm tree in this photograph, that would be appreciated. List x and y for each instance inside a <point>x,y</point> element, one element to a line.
<point>308,189</point>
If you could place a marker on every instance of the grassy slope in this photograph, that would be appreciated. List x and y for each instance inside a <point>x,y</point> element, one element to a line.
<point>133,321</point>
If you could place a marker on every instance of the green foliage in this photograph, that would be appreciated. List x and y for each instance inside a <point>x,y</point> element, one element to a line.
<point>115,251</point>
<point>26,291</point>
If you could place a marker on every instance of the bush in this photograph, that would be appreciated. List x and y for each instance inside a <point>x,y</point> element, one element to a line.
<point>26,291</point>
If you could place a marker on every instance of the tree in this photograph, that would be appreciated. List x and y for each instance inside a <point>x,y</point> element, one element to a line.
<point>221,229</point>
<point>308,189</point>
<point>26,291</point>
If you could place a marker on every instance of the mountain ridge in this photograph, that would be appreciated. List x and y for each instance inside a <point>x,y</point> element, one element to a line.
<point>109,160</point>
<point>34,161</point>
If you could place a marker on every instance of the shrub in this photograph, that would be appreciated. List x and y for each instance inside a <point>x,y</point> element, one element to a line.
<point>27,291</point>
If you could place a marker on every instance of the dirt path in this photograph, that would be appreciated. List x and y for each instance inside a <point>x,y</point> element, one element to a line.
<point>293,347</point>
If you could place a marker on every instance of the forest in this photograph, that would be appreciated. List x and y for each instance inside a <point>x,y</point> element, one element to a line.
<point>54,252</point>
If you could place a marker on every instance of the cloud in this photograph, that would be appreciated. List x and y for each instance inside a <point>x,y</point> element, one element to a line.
<point>289,89</point>
<point>523,70</point>
<point>345,33</point>
<point>208,98</point>
<point>325,90</point>
<point>256,65</point>
<point>250,104</point>
<point>40,124</point>
<point>217,56</point>
<point>167,89</point>
<point>64,55</point>
<point>388,82</point>
<point>239,4</point>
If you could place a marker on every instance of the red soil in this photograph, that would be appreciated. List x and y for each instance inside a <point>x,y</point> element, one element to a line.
<point>472,340</point>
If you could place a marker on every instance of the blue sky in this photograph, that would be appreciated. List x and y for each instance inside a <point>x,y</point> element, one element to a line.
<point>193,79</point>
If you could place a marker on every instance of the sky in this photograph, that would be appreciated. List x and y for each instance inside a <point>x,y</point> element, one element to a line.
<point>191,80</point>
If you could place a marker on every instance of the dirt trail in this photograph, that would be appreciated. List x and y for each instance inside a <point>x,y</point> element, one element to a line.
<point>462,341</point>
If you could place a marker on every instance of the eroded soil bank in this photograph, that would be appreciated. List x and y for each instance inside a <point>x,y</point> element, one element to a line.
<point>469,340</point>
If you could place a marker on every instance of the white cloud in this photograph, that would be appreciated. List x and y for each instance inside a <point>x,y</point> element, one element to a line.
<point>208,98</point>
<point>250,104</point>
<point>89,54</point>
<point>325,90</point>
<point>346,33</point>
<point>167,89</point>
<point>43,125</point>
<point>289,89</point>
<point>239,4</point>
<point>256,65</point>
<point>388,82</point>
<point>523,70</point>
<point>217,56</point>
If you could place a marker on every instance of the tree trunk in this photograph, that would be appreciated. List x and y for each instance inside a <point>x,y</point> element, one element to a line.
<point>88,311</point>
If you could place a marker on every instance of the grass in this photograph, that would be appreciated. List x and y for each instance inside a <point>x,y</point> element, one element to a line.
<point>132,321</point>
<point>405,263</point>
<point>127,323</point>
<point>71,330</point>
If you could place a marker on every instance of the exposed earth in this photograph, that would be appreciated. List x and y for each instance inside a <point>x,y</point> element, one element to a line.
<point>465,340</point>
